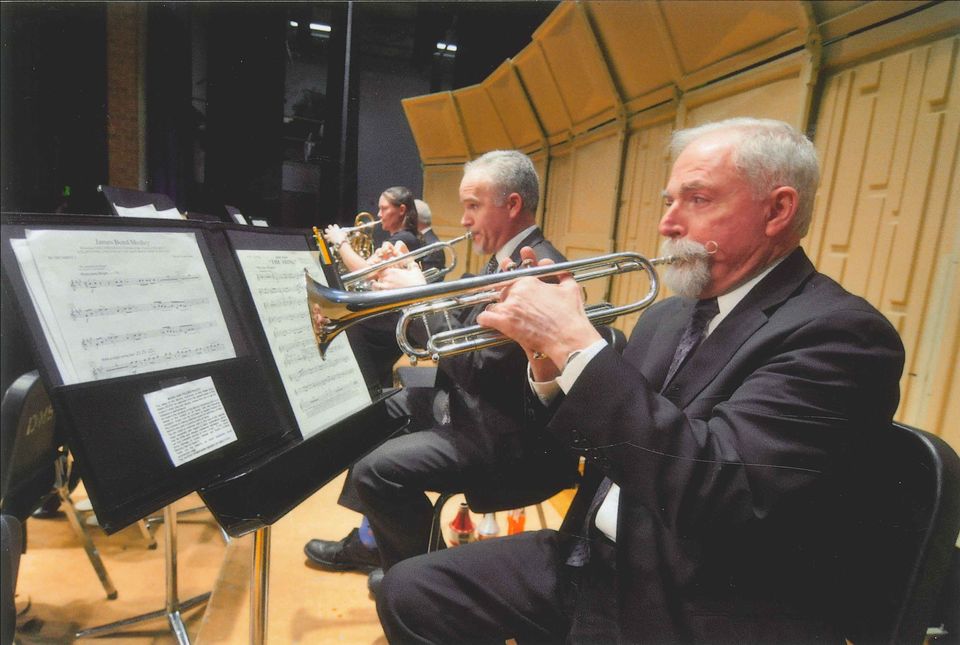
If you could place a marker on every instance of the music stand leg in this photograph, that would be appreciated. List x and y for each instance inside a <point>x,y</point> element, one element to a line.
<point>63,492</point>
<point>173,607</point>
<point>259,586</point>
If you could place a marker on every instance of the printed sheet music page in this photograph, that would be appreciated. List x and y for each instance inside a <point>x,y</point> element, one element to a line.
<point>321,392</point>
<point>117,303</point>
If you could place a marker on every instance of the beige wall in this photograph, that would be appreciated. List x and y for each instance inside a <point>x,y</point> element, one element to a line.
<point>596,94</point>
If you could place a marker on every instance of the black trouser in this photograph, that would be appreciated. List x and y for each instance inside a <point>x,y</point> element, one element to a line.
<point>512,587</point>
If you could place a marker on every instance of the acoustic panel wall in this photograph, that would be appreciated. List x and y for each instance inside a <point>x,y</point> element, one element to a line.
<point>531,65</point>
<point>582,191</point>
<point>482,124</point>
<point>516,113</point>
<point>777,90</point>
<point>645,175</point>
<point>577,66</point>
<point>437,129</point>
<point>713,39</point>
<point>636,45</point>
<point>886,223</point>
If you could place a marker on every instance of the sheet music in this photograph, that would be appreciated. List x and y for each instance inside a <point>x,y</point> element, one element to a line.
<point>118,303</point>
<point>31,278</point>
<point>320,392</point>
<point>191,419</point>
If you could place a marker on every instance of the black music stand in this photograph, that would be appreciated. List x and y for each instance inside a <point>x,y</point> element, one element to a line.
<point>248,483</point>
<point>127,198</point>
<point>174,607</point>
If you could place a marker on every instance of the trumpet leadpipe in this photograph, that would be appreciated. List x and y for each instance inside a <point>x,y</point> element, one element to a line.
<point>357,280</point>
<point>343,309</point>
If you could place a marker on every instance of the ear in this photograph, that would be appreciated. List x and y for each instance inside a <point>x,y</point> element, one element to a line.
<point>514,204</point>
<point>783,207</point>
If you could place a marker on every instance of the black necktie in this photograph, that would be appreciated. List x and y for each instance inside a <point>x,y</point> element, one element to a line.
<point>491,266</point>
<point>580,553</point>
<point>703,313</point>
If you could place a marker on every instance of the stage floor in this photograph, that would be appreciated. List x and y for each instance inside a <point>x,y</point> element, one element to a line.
<point>306,605</point>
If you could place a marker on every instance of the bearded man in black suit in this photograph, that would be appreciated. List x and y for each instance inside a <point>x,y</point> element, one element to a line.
<point>712,444</point>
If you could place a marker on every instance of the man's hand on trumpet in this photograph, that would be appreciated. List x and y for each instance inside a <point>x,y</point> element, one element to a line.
<point>547,319</point>
<point>397,275</point>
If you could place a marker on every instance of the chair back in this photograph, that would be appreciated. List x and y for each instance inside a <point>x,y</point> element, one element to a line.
<point>126,198</point>
<point>29,446</point>
<point>902,510</point>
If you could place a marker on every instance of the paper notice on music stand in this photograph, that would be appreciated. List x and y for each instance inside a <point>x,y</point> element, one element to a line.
<point>321,392</point>
<point>191,419</point>
<point>148,210</point>
<point>118,303</point>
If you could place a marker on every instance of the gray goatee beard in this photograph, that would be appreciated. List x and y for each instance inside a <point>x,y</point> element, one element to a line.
<point>689,275</point>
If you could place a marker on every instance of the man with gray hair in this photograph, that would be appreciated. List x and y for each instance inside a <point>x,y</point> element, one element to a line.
<point>437,259</point>
<point>471,433</point>
<point>709,506</point>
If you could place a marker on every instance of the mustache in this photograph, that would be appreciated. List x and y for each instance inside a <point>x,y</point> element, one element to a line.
<point>685,251</point>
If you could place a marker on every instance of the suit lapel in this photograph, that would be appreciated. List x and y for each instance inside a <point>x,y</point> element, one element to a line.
<point>532,240</point>
<point>747,317</point>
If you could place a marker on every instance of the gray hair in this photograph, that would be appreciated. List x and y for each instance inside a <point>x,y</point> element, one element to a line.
<point>510,171</point>
<point>767,153</point>
<point>423,212</point>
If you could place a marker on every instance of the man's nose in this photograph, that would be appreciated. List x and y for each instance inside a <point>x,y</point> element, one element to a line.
<point>670,225</point>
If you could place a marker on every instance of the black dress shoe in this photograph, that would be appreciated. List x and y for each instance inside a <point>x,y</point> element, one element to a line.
<point>373,582</point>
<point>348,554</point>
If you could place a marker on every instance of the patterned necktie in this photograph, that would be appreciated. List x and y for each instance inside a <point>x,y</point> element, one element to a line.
<point>703,313</point>
<point>580,553</point>
<point>491,266</point>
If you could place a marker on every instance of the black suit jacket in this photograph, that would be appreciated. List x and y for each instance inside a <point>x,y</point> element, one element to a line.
<point>725,514</point>
<point>487,399</point>
<point>435,260</point>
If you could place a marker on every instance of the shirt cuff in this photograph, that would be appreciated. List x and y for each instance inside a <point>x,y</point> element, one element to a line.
<point>547,391</point>
<point>576,364</point>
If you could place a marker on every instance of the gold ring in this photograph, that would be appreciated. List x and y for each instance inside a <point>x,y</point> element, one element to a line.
<point>538,355</point>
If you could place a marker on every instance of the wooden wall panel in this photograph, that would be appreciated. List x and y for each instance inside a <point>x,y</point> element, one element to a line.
<point>636,45</point>
<point>482,125</point>
<point>441,189</point>
<point>886,222</point>
<point>582,192</point>
<point>646,172</point>
<point>713,39</point>
<point>537,79</point>
<point>777,90</point>
<point>436,128</point>
<point>577,67</point>
<point>516,112</point>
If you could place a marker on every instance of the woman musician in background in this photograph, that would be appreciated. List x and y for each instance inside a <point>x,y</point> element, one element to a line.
<point>398,217</point>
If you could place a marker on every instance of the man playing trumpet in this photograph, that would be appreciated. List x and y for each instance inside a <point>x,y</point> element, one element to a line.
<point>711,445</point>
<point>480,436</point>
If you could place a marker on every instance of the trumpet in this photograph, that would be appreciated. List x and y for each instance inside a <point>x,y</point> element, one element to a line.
<point>357,280</point>
<point>343,309</point>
